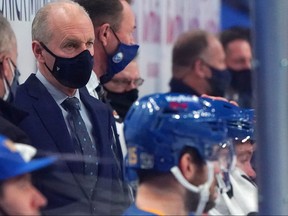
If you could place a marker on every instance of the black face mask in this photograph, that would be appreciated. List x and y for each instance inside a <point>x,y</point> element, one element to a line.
<point>219,81</point>
<point>241,80</point>
<point>72,72</point>
<point>121,102</point>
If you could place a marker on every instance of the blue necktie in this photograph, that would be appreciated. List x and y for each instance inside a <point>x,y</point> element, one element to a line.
<point>81,138</point>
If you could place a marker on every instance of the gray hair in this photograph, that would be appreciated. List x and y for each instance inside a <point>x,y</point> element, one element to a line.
<point>41,27</point>
<point>7,35</point>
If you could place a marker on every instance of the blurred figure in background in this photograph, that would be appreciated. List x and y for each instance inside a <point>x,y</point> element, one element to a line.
<point>240,196</point>
<point>237,46</point>
<point>10,116</point>
<point>120,93</point>
<point>198,65</point>
<point>17,194</point>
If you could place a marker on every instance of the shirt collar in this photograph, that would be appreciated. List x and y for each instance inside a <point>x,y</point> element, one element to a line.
<point>58,95</point>
<point>92,83</point>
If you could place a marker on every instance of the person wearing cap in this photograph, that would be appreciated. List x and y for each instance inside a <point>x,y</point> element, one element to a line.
<point>17,194</point>
<point>175,147</point>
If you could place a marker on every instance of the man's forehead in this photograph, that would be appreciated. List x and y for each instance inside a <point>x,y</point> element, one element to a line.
<point>247,146</point>
<point>24,177</point>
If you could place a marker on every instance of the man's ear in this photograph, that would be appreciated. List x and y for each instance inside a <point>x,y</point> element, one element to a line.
<point>6,68</point>
<point>104,33</point>
<point>199,68</point>
<point>38,51</point>
<point>187,167</point>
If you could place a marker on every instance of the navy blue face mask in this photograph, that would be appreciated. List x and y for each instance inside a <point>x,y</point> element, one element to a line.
<point>219,82</point>
<point>119,59</point>
<point>72,72</point>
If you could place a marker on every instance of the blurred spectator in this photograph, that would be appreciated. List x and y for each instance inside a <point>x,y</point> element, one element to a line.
<point>236,43</point>
<point>10,116</point>
<point>121,92</point>
<point>239,197</point>
<point>198,65</point>
<point>17,194</point>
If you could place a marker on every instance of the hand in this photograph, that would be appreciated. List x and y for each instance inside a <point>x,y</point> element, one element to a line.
<point>220,98</point>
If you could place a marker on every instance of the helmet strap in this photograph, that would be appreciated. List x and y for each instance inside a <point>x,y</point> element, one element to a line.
<point>202,189</point>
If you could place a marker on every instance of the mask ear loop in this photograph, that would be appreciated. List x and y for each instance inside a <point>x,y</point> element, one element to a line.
<point>7,89</point>
<point>51,53</point>
<point>7,86</point>
<point>115,34</point>
<point>14,70</point>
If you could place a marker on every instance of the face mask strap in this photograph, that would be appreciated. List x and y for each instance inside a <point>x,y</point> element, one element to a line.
<point>7,86</point>
<point>7,89</point>
<point>13,70</point>
<point>115,34</point>
<point>49,51</point>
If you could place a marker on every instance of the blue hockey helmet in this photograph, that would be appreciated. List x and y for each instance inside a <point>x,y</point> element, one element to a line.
<point>159,126</point>
<point>240,122</point>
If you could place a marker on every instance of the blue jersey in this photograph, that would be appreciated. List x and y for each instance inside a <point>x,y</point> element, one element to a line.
<point>134,210</point>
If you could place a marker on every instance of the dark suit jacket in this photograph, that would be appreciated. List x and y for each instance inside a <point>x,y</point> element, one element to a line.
<point>63,184</point>
<point>10,116</point>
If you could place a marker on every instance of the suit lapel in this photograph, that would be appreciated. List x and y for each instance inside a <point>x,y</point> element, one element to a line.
<point>51,116</point>
<point>55,124</point>
<point>109,145</point>
<point>93,107</point>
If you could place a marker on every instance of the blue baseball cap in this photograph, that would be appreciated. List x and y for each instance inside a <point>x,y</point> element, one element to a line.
<point>13,164</point>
